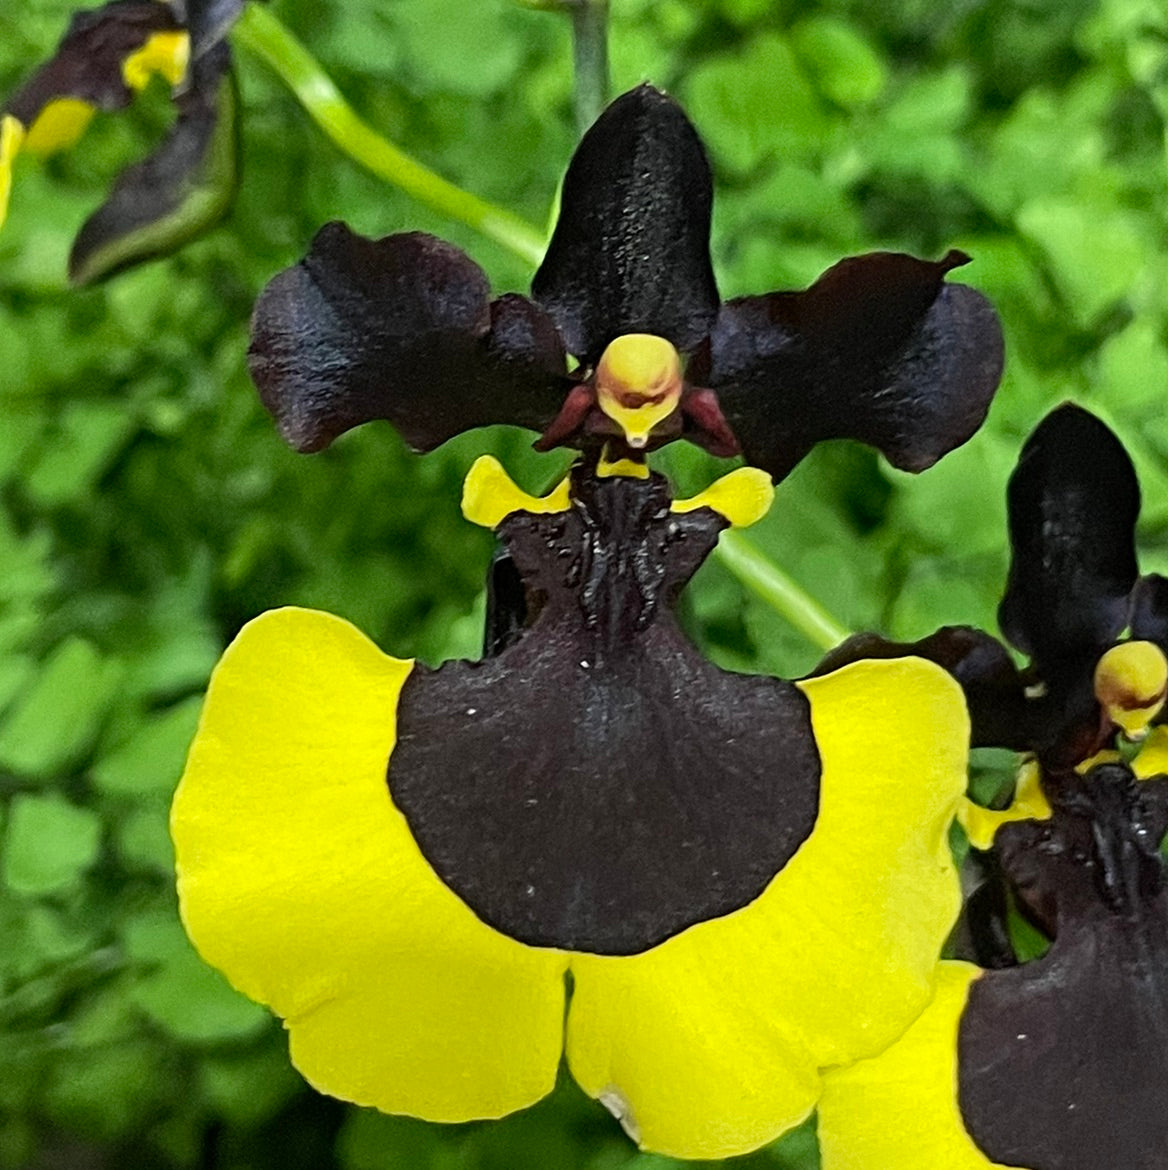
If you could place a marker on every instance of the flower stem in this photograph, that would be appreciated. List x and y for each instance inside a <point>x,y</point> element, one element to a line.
<point>590,54</point>
<point>265,36</point>
<point>767,581</point>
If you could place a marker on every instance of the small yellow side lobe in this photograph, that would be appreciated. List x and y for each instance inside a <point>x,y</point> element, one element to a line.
<point>489,495</point>
<point>743,497</point>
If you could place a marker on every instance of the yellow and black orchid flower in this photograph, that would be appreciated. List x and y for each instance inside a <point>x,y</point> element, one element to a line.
<point>1059,1063</point>
<point>703,888</point>
<point>879,349</point>
<point>1095,631</point>
<point>107,56</point>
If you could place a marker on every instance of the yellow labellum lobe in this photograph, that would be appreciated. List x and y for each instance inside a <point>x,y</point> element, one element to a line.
<point>744,497</point>
<point>58,126</point>
<point>489,495</point>
<point>1029,803</point>
<point>165,53</point>
<point>900,1110</point>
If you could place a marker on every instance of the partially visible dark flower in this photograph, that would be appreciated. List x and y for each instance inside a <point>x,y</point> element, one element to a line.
<point>405,863</point>
<point>879,349</point>
<point>1073,590</point>
<point>1059,1063</point>
<point>107,55</point>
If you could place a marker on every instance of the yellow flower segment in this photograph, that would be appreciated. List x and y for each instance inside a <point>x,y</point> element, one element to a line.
<point>11,138</point>
<point>639,384</point>
<point>900,1111</point>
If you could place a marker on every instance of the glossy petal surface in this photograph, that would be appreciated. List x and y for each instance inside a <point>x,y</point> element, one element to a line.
<point>900,1110</point>
<point>180,191</point>
<point>401,328</point>
<point>878,350</point>
<point>714,1040</point>
<point>1073,502</point>
<point>631,252</point>
<point>301,882</point>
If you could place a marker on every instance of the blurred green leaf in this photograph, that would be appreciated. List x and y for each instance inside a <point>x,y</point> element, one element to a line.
<point>48,843</point>
<point>59,715</point>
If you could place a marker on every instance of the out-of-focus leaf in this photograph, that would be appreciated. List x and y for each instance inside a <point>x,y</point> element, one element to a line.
<point>48,843</point>
<point>180,992</point>
<point>59,714</point>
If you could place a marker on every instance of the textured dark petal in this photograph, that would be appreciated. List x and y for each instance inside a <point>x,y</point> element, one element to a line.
<point>1072,501</point>
<point>995,692</point>
<point>599,786</point>
<point>402,329</point>
<point>1149,610</point>
<point>180,191</point>
<point>1063,1062</point>
<point>209,21</point>
<point>88,62</point>
<point>878,349</point>
<point>631,252</point>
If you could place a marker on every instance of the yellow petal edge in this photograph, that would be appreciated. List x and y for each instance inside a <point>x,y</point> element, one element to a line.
<point>899,1111</point>
<point>299,879</point>
<point>711,1044</point>
<point>11,138</point>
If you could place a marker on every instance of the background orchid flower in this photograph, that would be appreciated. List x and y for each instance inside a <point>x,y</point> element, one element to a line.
<point>1074,592</point>
<point>624,339</point>
<point>108,55</point>
<point>1054,1064</point>
<point>748,880</point>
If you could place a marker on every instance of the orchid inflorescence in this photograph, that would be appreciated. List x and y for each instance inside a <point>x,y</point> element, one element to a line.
<point>721,897</point>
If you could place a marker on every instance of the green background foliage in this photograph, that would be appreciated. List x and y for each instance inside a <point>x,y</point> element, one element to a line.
<point>147,508</point>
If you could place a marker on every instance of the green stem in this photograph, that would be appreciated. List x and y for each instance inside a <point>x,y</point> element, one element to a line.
<point>590,54</point>
<point>766,580</point>
<point>264,35</point>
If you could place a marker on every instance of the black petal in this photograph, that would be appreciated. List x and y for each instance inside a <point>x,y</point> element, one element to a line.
<point>180,191</point>
<point>599,786</point>
<point>402,329</point>
<point>1072,501</point>
<point>631,251</point>
<point>995,691</point>
<point>87,65</point>
<point>1063,1062</point>
<point>878,349</point>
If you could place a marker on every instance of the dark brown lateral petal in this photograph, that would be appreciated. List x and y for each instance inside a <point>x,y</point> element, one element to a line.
<point>88,62</point>
<point>631,250</point>
<point>879,349</point>
<point>1063,1062</point>
<point>180,191</point>
<point>400,328</point>
<point>995,691</point>
<point>599,786</point>
<point>1073,501</point>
